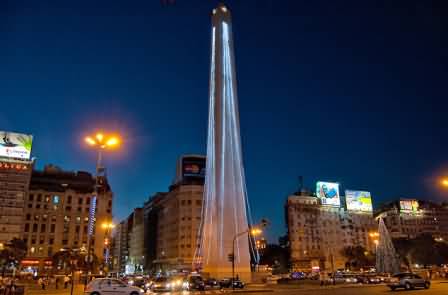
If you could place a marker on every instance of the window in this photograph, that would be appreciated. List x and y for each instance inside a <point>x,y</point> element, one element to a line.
<point>28,217</point>
<point>77,229</point>
<point>31,197</point>
<point>88,201</point>
<point>69,200</point>
<point>80,201</point>
<point>182,202</point>
<point>189,202</point>
<point>42,228</point>
<point>33,241</point>
<point>35,228</point>
<point>51,241</point>
<point>78,219</point>
<point>47,199</point>
<point>52,228</point>
<point>27,227</point>
<point>64,242</point>
<point>68,208</point>
<point>39,197</point>
<point>199,202</point>
<point>32,250</point>
<point>41,240</point>
<point>55,200</point>
<point>53,218</point>
<point>79,209</point>
<point>44,217</point>
<point>37,206</point>
<point>30,206</point>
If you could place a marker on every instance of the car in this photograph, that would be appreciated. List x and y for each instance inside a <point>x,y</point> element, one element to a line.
<point>212,283</point>
<point>195,283</point>
<point>161,284</point>
<point>408,281</point>
<point>227,283</point>
<point>108,286</point>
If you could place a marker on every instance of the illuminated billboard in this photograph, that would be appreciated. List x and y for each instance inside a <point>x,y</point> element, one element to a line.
<point>328,193</point>
<point>409,206</point>
<point>193,167</point>
<point>15,145</point>
<point>358,201</point>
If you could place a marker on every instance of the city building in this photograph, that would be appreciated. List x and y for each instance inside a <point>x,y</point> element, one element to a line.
<point>179,216</point>
<point>15,175</point>
<point>136,259</point>
<point>120,246</point>
<point>56,214</point>
<point>409,218</point>
<point>319,233</point>
<point>150,219</point>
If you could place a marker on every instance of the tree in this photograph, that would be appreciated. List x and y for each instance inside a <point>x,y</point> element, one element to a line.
<point>358,257</point>
<point>12,254</point>
<point>276,257</point>
<point>423,250</point>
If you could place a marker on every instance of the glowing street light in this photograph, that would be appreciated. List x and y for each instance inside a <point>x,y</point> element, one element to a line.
<point>100,142</point>
<point>444,182</point>
<point>256,232</point>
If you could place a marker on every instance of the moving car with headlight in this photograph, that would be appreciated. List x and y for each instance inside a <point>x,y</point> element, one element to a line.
<point>161,284</point>
<point>408,281</point>
<point>106,286</point>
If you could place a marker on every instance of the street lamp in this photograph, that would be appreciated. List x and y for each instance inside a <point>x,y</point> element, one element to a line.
<point>254,231</point>
<point>99,142</point>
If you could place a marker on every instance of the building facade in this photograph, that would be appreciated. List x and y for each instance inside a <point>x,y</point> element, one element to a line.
<point>15,177</point>
<point>136,258</point>
<point>409,218</point>
<point>56,214</point>
<point>318,234</point>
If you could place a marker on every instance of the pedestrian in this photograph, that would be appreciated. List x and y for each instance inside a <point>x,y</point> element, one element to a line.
<point>41,283</point>
<point>66,280</point>
<point>56,282</point>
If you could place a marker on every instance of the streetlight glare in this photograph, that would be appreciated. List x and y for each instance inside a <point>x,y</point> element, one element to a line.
<point>99,137</point>
<point>90,140</point>
<point>113,141</point>
<point>256,231</point>
<point>444,182</point>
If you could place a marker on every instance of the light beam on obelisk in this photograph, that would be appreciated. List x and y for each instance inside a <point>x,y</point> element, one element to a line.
<point>225,207</point>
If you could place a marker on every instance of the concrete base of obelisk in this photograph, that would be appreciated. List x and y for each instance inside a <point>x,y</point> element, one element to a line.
<point>243,273</point>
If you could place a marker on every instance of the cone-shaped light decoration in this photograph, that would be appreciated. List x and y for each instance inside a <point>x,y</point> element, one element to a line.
<point>225,198</point>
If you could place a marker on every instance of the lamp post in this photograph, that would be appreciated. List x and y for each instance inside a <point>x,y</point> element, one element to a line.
<point>99,142</point>
<point>254,231</point>
<point>108,226</point>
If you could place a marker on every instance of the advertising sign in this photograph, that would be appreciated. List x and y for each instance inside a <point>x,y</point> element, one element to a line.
<point>193,167</point>
<point>409,206</point>
<point>328,193</point>
<point>15,145</point>
<point>358,201</point>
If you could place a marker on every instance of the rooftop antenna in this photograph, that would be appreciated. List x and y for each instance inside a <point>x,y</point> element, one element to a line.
<point>300,184</point>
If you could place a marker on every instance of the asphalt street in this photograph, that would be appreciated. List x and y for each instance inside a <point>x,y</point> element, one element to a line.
<point>437,288</point>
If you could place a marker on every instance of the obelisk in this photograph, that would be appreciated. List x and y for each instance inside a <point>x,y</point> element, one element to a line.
<point>224,214</point>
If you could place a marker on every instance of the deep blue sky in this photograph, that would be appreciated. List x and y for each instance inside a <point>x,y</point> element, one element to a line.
<point>348,91</point>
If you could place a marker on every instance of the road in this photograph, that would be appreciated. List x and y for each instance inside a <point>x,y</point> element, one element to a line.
<point>437,288</point>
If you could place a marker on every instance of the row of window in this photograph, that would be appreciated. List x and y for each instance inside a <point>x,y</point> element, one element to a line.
<point>189,202</point>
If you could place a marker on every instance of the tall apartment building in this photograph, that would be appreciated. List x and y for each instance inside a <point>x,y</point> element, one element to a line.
<point>14,182</point>
<point>15,174</point>
<point>56,214</point>
<point>409,218</point>
<point>136,234</point>
<point>150,219</point>
<point>318,233</point>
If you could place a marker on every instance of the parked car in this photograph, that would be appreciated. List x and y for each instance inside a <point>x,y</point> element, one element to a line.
<point>106,286</point>
<point>408,281</point>
<point>227,283</point>
<point>212,283</point>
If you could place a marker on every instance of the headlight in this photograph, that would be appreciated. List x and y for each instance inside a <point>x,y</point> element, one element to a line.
<point>168,285</point>
<point>178,282</point>
<point>131,282</point>
<point>147,285</point>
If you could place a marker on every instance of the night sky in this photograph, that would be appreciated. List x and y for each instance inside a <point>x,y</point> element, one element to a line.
<point>347,91</point>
